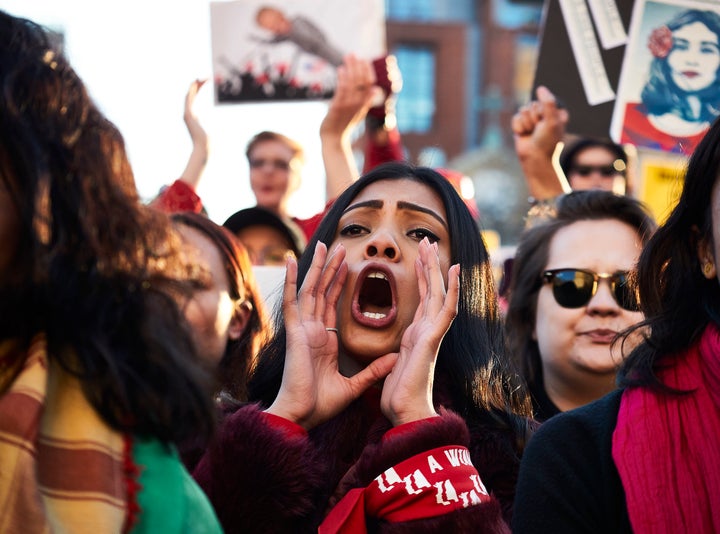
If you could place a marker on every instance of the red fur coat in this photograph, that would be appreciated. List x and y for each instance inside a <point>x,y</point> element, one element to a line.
<point>261,479</point>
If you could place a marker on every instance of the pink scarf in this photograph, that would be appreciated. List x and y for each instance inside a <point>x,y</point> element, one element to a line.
<point>667,447</point>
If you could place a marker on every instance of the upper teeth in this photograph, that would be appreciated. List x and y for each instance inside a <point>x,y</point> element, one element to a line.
<point>377,275</point>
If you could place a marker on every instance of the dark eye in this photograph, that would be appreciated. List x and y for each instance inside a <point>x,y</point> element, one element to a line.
<point>420,233</point>
<point>680,44</point>
<point>353,230</point>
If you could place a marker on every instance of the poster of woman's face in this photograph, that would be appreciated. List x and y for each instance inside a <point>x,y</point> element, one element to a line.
<point>669,89</point>
<point>271,51</point>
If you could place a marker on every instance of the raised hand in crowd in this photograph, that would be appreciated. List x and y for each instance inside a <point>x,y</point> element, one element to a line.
<point>537,129</point>
<point>355,93</point>
<point>200,144</point>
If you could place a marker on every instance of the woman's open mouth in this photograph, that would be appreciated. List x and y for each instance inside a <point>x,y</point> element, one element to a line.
<point>374,303</point>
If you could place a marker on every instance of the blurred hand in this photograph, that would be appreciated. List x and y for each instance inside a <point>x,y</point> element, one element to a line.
<point>389,79</point>
<point>197,132</point>
<point>539,125</point>
<point>354,94</point>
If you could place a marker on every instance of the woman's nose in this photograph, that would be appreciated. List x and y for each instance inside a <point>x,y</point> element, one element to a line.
<point>382,245</point>
<point>603,302</point>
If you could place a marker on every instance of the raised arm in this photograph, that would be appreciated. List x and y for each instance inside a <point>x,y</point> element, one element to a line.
<point>353,97</point>
<point>181,195</point>
<point>538,127</point>
<point>200,146</point>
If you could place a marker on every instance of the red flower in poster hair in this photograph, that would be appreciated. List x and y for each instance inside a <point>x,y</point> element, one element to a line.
<point>660,42</point>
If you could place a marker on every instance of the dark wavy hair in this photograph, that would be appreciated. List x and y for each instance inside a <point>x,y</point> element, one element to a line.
<point>239,358</point>
<point>531,259</point>
<point>676,298</point>
<point>471,366</point>
<point>93,264</point>
<point>661,95</point>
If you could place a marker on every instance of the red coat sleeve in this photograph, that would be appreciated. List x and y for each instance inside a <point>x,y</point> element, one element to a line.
<point>178,197</point>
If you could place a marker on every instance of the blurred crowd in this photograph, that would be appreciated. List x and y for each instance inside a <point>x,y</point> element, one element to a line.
<point>365,369</point>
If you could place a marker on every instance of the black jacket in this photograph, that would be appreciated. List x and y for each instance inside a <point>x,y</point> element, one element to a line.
<point>568,481</point>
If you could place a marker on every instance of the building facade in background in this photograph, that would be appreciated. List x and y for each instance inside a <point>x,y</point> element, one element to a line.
<point>467,65</point>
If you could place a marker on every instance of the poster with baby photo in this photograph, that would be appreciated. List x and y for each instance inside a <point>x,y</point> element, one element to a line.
<point>289,50</point>
<point>669,88</point>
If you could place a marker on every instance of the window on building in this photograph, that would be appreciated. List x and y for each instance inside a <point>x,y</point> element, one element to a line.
<point>430,10</point>
<point>416,102</point>
<point>414,9</point>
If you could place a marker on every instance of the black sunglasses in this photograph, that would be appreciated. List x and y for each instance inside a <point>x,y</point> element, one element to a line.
<point>573,288</point>
<point>604,170</point>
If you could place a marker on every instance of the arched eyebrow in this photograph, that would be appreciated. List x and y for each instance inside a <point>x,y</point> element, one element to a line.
<point>375,204</point>
<point>402,205</point>
<point>686,42</point>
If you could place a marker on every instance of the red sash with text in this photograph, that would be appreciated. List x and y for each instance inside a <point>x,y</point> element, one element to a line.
<point>429,484</point>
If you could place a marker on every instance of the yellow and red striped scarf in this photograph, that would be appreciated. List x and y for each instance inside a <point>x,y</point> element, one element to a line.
<point>61,466</point>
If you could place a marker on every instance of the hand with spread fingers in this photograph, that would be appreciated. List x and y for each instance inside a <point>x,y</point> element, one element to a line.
<point>407,391</point>
<point>312,389</point>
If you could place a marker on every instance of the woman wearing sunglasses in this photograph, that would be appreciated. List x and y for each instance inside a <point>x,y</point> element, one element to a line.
<point>645,458</point>
<point>570,297</point>
<point>591,163</point>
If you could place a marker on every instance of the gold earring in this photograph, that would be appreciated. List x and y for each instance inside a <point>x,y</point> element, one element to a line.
<point>707,269</point>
